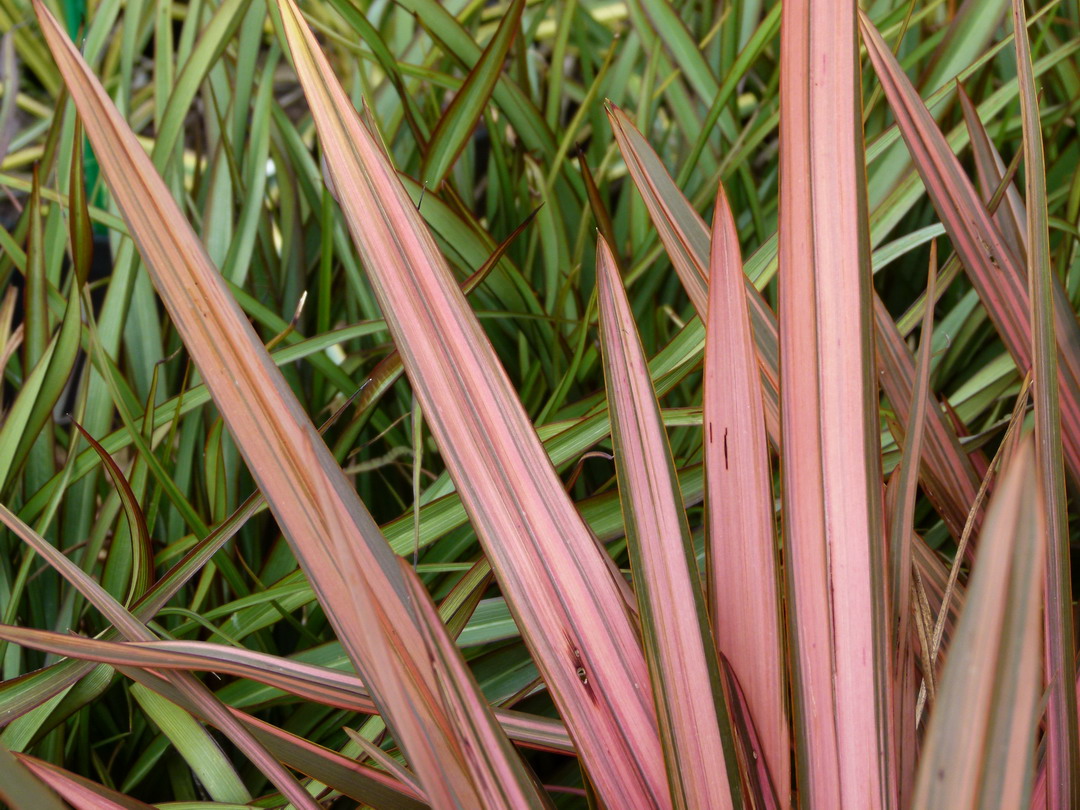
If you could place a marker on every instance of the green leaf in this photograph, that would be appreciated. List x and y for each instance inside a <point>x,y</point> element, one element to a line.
<point>195,745</point>
<point>460,118</point>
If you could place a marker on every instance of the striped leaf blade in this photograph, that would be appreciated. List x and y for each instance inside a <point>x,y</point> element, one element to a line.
<point>558,584</point>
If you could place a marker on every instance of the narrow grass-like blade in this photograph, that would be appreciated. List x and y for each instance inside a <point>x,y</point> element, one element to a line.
<point>353,570</point>
<point>949,477</point>
<point>979,747</point>
<point>182,689</point>
<point>951,594</point>
<point>694,724</point>
<point>41,389</point>
<point>384,760</point>
<point>561,591</point>
<point>80,230</point>
<point>367,785</point>
<point>1062,734</point>
<point>319,684</point>
<point>743,575</point>
<point>327,686</point>
<point>672,31</point>
<point>215,35</point>
<point>901,523</point>
<point>834,536</point>
<point>901,529</point>
<point>474,723</point>
<point>522,114</point>
<point>389,370</point>
<point>9,75</point>
<point>142,552</point>
<point>183,682</point>
<point>357,19</point>
<point>461,117</point>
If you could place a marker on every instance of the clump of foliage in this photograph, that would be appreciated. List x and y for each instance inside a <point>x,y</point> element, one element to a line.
<point>384,423</point>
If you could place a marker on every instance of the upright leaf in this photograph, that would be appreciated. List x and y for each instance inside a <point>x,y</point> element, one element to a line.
<point>741,556</point>
<point>990,169</point>
<point>830,456</point>
<point>460,118</point>
<point>901,528</point>
<point>948,476</point>
<point>694,724</point>
<point>9,75</point>
<point>196,745</point>
<point>979,747</point>
<point>1062,737</point>
<point>686,238</point>
<point>79,228</point>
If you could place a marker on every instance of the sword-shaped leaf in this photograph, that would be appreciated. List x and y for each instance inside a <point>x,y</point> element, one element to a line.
<point>460,118</point>
<point>741,557</point>
<point>555,579</point>
<point>1062,737</point>
<point>830,458</point>
<point>986,257</point>
<point>694,723</point>
<point>686,238</point>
